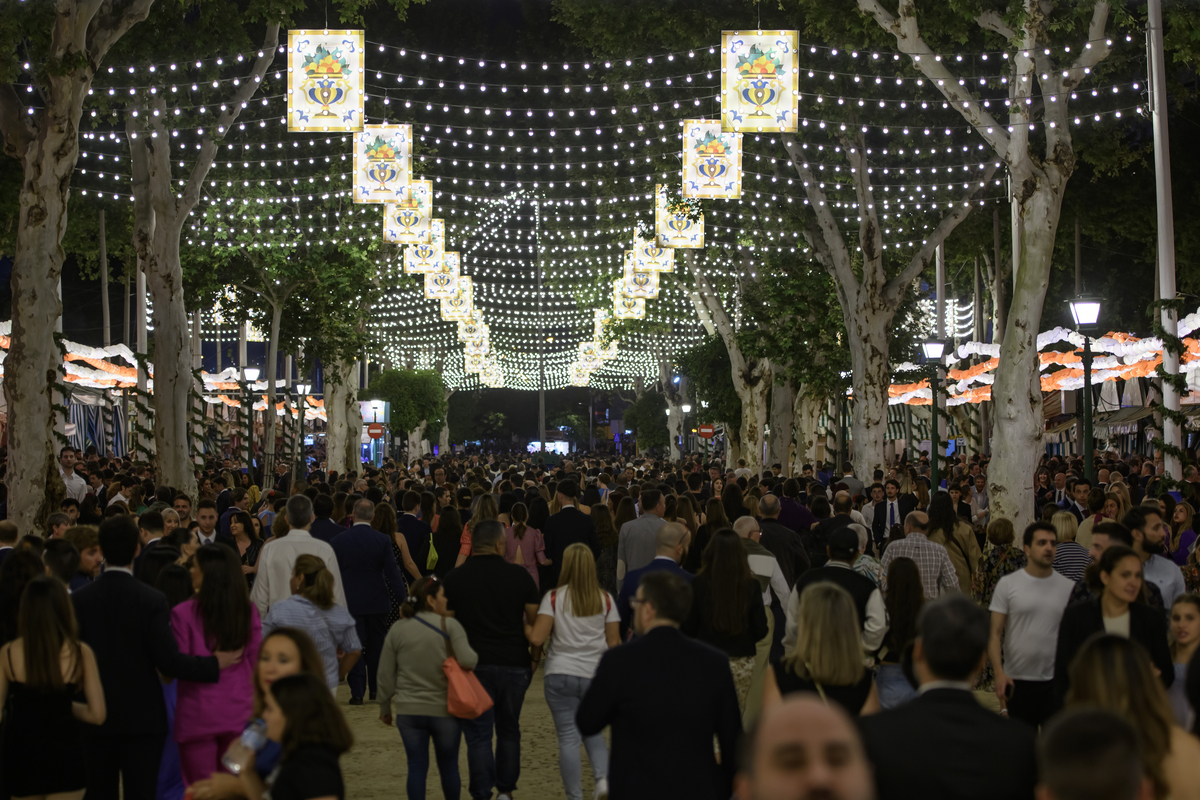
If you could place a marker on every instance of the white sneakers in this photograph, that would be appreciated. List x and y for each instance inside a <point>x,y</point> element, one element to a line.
<point>601,789</point>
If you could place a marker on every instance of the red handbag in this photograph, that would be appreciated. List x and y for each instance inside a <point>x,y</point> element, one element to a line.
<point>465,696</point>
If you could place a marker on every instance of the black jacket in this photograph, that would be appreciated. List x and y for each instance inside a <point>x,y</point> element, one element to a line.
<point>562,530</point>
<point>1147,626</point>
<point>905,503</point>
<point>665,697</point>
<point>128,625</point>
<point>860,587</point>
<point>816,540</point>
<point>944,745</point>
<point>786,546</point>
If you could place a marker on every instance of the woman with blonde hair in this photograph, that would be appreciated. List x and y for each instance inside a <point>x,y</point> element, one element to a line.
<point>311,609</point>
<point>584,621</point>
<point>1071,559</point>
<point>827,658</point>
<point>1121,491</point>
<point>1114,673</point>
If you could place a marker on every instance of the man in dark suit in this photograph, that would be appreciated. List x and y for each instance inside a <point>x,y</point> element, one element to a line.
<point>665,697</point>
<point>1076,502</point>
<point>565,529</point>
<point>890,511</point>
<point>368,567</point>
<point>323,527</point>
<point>960,742</point>
<point>671,547</point>
<point>127,624</point>
<point>150,532</point>
<point>784,543</point>
<point>206,526</point>
<point>224,495</point>
<point>417,532</point>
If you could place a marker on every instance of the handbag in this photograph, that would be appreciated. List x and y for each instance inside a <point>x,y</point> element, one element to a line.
<point>432,559</point>
<point>465,696</point>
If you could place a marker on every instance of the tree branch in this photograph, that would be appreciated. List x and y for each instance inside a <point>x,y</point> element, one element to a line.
<point>992,21</point>
<point>825,223</point>
<point>903,26</point>
<point>896,286</point>
<point>1095,51</point>
<point>870,237</point>
<point>233,108</point>
<point>109,31</point>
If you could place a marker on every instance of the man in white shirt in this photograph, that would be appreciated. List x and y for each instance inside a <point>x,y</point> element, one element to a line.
<point>1027,607</point>
<point>278,558</point>
<point>1145,523</point>
<point>76,486</point>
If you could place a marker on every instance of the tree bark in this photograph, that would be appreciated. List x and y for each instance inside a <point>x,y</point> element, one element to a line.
<point>674,397</point>
<point>270,418</point>
<point>783,402</point>
<point>47,145</point>
<point>1037,181</point>
<point>808,418</point>
<point>341,441</point>
<point>751,376</point>
<point>869,299</point>
<point>160,213</point>
<point>415,450</point>
<point>444,436</point>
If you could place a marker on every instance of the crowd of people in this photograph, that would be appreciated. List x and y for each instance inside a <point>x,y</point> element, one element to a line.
<point>765,636</point>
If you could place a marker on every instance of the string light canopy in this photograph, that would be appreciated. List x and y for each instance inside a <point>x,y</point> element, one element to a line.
<point>600,152</point>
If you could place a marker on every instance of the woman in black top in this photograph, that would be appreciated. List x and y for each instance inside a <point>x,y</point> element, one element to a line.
<point>715,520</point>
<point>446,540</point>
<point>302,715</point>
<point>731,499</point>
<point>827,658</point>
<point>903,601</point>
<point>727,607</point>
<point>1117,611</point>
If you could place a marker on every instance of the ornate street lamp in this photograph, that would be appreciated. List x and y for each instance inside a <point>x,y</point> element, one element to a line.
<point>1085,310</point>
<point>934,350</point>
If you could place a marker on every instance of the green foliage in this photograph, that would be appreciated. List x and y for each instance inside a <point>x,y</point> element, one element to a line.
<point>462,416</point>
<point>416,396</point>
<point>710,381</point>
<point>647,418</point>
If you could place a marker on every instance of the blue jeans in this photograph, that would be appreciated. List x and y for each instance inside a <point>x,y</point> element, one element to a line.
<point>894,688</point>
<point>415,732</point>
<point>506,686</point>
<point>563,695</point>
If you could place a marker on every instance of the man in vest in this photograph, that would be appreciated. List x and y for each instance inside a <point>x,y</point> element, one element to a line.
<point>842,550</point>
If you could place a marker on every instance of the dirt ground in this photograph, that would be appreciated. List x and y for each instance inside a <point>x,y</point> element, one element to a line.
<point>376,769</point>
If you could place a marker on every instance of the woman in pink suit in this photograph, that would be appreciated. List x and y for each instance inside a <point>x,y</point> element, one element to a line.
<point>208,716</point>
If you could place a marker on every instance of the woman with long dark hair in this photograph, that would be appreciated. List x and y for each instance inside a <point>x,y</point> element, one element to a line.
<point>41,673</point>
<point>626,512</point>
<point>248,544</point>
<point>411,675</point>
<point>302,716</point>
<point>731,499</point>
<point>715,520</point>
<point>609,536</point>
<point>445,540</point>
<point>18,570</point>
<point>955,534</point>
<point>903,601</point>
<point>209,716</point>
<point>727,607</point>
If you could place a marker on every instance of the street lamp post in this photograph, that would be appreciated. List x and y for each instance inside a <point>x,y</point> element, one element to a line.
<point>302,390</point>
<point>1085,310</point>
<point>251,375</point>
<point>687,409</point>
<point>933,350</point>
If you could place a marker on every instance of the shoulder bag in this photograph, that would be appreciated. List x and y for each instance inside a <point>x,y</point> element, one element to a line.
<point>465,696</point>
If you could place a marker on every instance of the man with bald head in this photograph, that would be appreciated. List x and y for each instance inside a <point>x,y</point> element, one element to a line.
<point>670,548</point>
<point>803,749</point>
<point>938,575</point>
